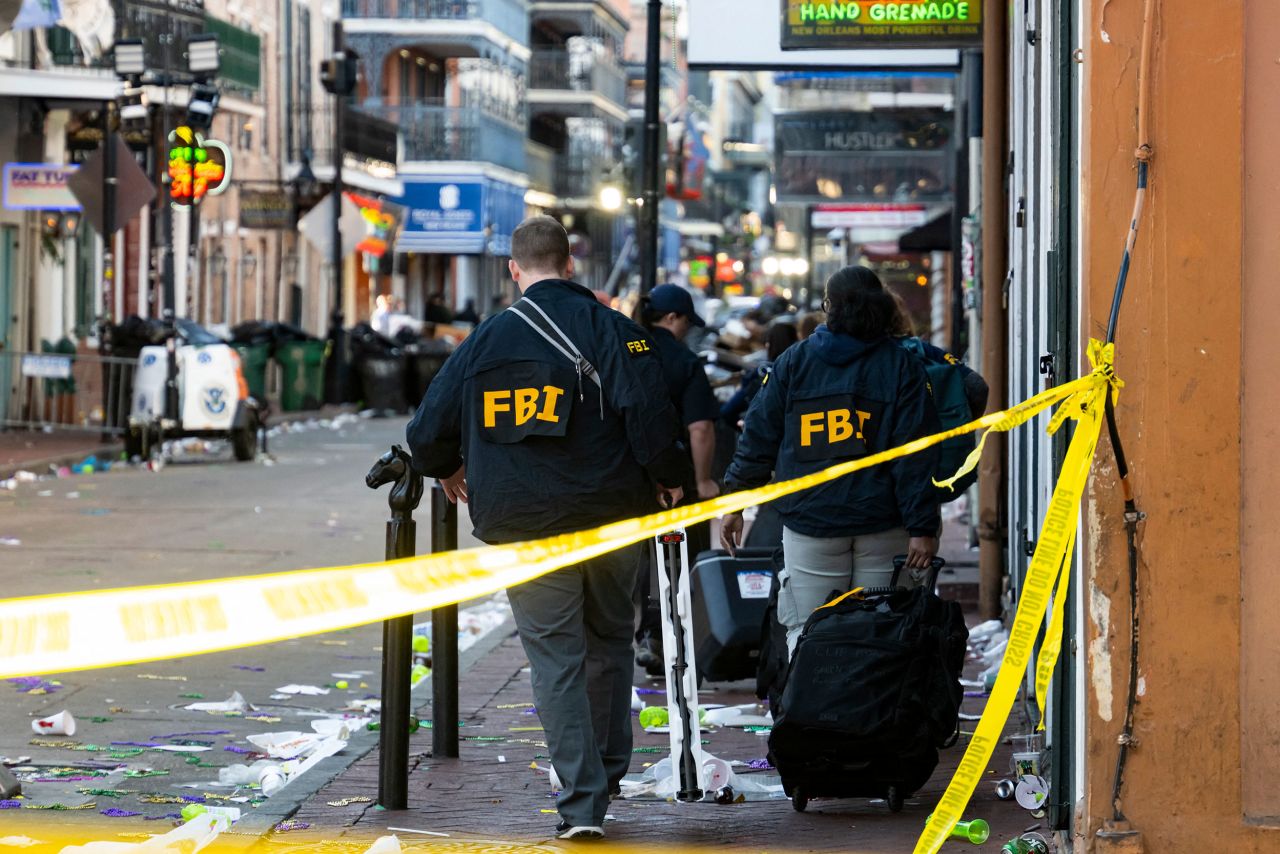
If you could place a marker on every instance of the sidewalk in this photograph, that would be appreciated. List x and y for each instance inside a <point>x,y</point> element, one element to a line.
<point>493,794</point>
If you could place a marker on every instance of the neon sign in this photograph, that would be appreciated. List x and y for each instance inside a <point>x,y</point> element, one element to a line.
<point>864,23</point>
<point>193,173</point>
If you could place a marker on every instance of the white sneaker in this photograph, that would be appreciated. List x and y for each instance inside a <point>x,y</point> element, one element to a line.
<point>580,833</point>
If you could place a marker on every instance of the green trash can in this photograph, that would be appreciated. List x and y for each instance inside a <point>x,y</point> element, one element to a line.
<point>253,361</point>
<point>303,365</point>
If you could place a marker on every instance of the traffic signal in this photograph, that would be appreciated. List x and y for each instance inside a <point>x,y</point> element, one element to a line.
<point>338,73</point>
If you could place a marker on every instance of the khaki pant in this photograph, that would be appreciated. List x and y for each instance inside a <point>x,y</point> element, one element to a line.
<point>815,567</point>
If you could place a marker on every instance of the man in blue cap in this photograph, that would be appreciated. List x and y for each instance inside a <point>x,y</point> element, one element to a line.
<point>667,313</point>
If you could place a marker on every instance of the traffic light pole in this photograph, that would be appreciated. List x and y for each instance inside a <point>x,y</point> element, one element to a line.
<point>648,219</point>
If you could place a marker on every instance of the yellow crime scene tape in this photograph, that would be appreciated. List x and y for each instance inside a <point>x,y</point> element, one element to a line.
<point>1051,561</point>
<point>79,631</point>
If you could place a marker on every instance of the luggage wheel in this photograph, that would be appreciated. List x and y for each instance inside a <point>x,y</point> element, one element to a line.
<point>894,799</point>
<point>800,799</point>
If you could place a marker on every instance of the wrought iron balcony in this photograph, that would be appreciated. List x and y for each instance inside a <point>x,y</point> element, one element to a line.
<point>578,72</point>
<point>433,130</point>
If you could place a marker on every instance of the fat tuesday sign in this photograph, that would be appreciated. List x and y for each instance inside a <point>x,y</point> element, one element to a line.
<point>815,24</point>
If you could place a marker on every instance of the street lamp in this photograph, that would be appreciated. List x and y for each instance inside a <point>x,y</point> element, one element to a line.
<point>610,198</point>
<point>203,55</point>
<point>130,58</point>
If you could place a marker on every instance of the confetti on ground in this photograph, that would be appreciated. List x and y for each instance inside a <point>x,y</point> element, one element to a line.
<point>524,729</point>
<point>152,798</point>
<point>100,720</point>
<point>264,719</point>
<point>33,685</point>
<point>516,706</point>
<point>135,744</point>
<point>104,793</point>
<point>10,805</point>
<point>139,773</point>
<point>176,815</point>
<point>233,748</point>
<point>113,812</point>
<point>286,826</point>
<point>647,750</point>
<point>197,732</point>
<point>162,678</point>
<point>358,799</point>
<point>251,668</point>
<point>192,696</point>
<point>650,691</point>
<point>760,765</point>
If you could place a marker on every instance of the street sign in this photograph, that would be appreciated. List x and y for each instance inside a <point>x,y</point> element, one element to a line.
<point>810,24</point>
<point>46,367</point>
<point>39,187</point>
<point>133,188</point>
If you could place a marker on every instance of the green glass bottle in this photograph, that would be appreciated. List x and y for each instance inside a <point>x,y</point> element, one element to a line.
<point>1026,844</point>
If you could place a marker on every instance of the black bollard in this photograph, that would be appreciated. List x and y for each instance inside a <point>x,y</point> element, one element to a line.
<point>397,633</point>
<point>444,637</point>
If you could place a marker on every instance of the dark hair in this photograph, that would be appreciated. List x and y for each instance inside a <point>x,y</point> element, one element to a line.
<point>902,324</point>
<point>808,322</point>
<point>779,337</point>
<point>857,304</point>
<point>540,244</point>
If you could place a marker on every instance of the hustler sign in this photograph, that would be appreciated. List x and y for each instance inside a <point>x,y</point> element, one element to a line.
<point>867,23</point>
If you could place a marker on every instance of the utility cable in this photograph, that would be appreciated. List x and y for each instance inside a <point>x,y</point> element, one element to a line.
<point>1132,516</point>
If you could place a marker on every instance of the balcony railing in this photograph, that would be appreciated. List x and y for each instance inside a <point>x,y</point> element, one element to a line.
<point>553,68</point>
<point>541,162</point>
<point>434,131</point>
<point>511,17</point>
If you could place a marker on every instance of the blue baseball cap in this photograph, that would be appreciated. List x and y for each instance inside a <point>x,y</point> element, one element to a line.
<point>673,298</point>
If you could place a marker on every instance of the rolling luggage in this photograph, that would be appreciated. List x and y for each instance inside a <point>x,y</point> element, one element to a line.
<point>730,595</point>
<point>872,692</point>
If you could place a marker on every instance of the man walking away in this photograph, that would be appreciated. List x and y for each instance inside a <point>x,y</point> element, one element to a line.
<point>553,417</point>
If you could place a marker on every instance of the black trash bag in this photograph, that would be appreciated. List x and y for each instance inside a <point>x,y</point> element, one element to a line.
<point>424,360</point>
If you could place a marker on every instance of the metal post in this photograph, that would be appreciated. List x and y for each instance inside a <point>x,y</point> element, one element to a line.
<point>444,637</point>
<point>113,416</point>
<point>652,157</point>
<point>397,633</point>
<point>336,368</point>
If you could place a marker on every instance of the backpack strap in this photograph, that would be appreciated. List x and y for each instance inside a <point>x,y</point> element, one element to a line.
<point>539,321</point>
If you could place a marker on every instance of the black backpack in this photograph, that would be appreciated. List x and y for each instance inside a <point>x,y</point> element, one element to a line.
<point>946,383</point>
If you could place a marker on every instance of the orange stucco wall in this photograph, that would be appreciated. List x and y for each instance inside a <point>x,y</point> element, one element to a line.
<point>1179,349</point>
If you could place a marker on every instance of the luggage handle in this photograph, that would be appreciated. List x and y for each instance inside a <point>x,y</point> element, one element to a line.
<point>935,568</point>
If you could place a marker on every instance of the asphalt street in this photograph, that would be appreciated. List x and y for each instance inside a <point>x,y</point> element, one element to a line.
<point>199,517</point>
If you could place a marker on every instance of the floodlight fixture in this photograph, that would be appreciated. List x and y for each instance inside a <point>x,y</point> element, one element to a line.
<point>130,58</point>
<point>202,54</point>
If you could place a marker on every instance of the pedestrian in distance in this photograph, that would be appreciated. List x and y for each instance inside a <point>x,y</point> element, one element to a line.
<point>668,315</point>
<point>847,391</point>
<point>552,417</point>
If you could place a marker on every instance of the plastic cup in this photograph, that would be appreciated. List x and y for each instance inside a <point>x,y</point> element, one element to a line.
<point>60,724</point>
<point>654,716</point>
<point>271,779</point>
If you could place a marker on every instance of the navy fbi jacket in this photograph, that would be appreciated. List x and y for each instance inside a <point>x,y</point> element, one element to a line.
<point>544,454</point>
<point>831,398</point>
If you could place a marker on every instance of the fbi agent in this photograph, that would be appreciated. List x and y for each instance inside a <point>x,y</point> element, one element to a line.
<point>847,391</point>
<point>553,417</point>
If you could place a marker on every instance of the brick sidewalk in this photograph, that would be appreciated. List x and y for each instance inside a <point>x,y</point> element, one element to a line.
<point>491,793</point>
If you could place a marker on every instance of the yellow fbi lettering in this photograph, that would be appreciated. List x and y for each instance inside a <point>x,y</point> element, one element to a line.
<point>523,403</point>
<point>836,423</point>
<point>638,347</point>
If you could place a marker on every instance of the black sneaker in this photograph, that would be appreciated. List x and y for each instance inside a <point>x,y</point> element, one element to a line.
<point>649,656</point>
<point>578,832</point>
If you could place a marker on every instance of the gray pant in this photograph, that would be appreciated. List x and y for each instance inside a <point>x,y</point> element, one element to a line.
<point>816,566</point>
<point>576,625</point>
